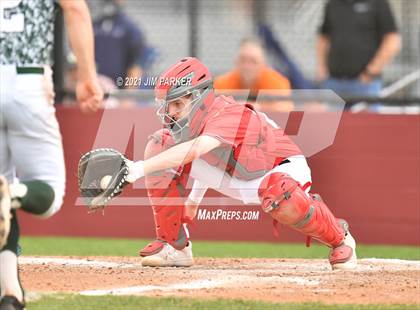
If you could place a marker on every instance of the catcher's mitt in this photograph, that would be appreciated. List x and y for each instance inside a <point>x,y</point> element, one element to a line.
<point>102,174</point>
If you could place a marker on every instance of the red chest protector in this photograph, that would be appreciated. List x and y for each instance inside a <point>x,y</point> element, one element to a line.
<point>251,146</point>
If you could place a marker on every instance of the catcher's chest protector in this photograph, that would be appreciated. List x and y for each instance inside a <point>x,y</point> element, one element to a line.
<point>284,199</point>
<point>252,145</point>
<point>166,191</point>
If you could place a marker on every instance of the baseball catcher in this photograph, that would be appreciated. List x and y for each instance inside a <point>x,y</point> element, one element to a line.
<point>225,146</point>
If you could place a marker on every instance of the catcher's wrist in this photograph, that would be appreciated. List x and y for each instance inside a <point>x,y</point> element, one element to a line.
<point>135,170</point>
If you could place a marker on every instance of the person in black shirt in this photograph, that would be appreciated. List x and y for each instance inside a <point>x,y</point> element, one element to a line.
<point>357,39</point>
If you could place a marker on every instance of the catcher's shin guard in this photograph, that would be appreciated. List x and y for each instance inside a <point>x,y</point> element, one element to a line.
<point>287,202</point>
<point>165,190</point>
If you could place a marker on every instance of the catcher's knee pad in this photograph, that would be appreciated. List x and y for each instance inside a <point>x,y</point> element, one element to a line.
<point>166,190</point>
<point>284,199</point>
<point>278,191</point>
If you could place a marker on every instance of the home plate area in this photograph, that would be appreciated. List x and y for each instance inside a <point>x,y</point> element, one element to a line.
<point>282,280</point>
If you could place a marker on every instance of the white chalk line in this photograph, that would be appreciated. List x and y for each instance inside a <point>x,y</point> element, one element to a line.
<point>135,290</point>
<point>219,282</point>
<point>396,261</point>
<point>305,281</point>
<point>73,262</point>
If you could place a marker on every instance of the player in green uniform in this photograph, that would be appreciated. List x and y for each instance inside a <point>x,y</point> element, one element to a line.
<point>32,173</point>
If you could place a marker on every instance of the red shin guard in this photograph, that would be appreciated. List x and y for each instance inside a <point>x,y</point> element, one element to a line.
<point>166,190</point>
<point>287,202</point>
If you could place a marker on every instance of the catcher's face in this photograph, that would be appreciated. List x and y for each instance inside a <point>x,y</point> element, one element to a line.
<point>179,108</point>
<point>171,111</point>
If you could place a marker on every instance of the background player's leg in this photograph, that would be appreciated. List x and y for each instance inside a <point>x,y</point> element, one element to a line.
<point>34,141</point>
<point>36,148</point>
<point>9,274</point>
<point>9,279</point>
<point>6,168</point>
<point>6,172</point>
<point>35,197</point>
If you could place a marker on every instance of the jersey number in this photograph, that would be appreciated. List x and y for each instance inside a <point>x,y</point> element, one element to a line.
<point>15,22</point>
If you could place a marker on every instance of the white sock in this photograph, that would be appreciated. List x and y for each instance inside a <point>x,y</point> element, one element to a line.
<point>17,190</point>
<point>9,281</point>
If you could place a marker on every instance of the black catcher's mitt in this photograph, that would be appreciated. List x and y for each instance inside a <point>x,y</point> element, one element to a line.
<point>96,190</point>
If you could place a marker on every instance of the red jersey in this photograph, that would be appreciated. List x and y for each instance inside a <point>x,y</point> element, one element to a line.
<point>251,146</point>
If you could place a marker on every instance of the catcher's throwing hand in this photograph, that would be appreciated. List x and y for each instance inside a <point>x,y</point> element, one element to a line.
<point>102,174</point>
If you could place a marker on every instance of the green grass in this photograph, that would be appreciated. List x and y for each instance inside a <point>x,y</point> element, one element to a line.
<point>72,302</point>
<point>129,247</point>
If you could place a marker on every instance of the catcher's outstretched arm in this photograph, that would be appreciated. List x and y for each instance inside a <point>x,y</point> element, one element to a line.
<point>181,154</point>
<point>173,157</point>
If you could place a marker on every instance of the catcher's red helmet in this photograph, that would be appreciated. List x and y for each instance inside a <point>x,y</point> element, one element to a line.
<point>189,76</point>
<point>182,78</point>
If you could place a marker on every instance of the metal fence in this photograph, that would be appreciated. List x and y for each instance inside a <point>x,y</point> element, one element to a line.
<point>212,30</point>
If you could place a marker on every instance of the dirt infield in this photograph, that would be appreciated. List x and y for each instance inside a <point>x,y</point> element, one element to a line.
<point>280,280</point>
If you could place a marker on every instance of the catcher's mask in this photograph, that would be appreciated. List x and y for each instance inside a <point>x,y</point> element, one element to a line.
<point>187,78</point>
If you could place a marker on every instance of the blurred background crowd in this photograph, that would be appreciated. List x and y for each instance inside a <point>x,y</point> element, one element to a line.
<point>367,51</point>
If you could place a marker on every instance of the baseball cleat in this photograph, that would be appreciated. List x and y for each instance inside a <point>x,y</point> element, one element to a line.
<point>168,256</point>
<point>5,215</point>
<point>344,256</point>
<point>11,303</point>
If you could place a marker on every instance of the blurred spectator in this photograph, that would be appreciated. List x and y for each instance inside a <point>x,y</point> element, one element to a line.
<point>357,39</point>
<point>120,47</point>
<point>252,73</point>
